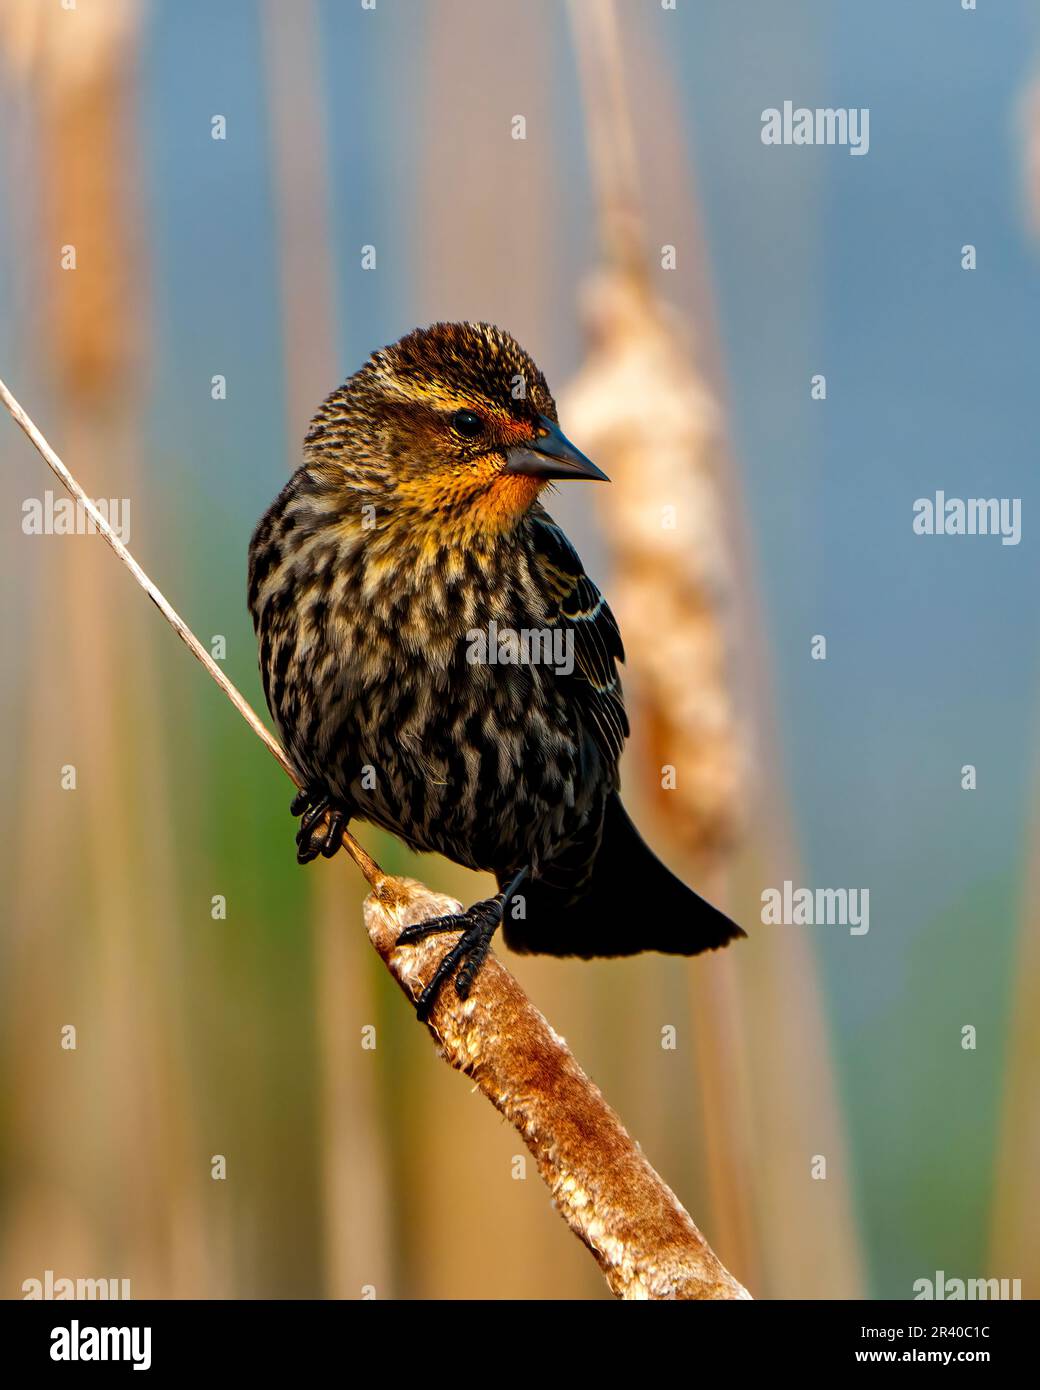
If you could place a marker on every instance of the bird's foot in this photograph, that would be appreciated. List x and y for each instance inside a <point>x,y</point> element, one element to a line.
<point>476,926</point>
<point>311,838</point>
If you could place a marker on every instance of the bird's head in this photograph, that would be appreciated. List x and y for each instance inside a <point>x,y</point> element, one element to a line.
<point>453,430</point>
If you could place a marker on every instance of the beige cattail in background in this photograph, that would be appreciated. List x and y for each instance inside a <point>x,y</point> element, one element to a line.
<point>681,584</point>
<point>643,411</point>
<point>641,408</point>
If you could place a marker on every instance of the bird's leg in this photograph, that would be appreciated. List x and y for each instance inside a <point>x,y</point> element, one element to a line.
<point>476,927</point>
<point>314,805</point>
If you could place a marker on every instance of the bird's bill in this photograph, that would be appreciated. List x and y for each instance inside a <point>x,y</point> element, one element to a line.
<point>551,455</point>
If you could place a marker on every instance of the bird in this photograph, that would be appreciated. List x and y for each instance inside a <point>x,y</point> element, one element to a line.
<point>438,663</point>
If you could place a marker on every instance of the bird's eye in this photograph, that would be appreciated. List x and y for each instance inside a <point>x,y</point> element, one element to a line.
<point>467,423</point>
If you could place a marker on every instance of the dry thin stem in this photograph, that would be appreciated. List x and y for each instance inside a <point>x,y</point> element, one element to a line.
<point>364,861</point>
<point>612,146</point>
<point>645,1242</point>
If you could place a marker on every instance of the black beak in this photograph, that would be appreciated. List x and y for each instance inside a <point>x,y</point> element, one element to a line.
<point>551,455</point>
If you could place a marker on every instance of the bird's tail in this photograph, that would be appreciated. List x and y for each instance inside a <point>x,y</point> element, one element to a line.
<point>633,903</point>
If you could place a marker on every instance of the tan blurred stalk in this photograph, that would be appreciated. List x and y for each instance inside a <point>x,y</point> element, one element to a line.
<point>1015,1234</point>
<point>108,1129</point>
<point>641,406</point>
<point>355,1224</point>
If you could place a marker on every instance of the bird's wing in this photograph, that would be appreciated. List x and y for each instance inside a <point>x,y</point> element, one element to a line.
<point>594,684</point>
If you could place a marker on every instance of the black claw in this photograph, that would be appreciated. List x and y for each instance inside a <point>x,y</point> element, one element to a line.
<point>312,815</point>
<point>443,972</point>
<point>470,968</point>
<point>418,931</point>
<point>315,805</point>
<point>333,836</point>
<point>476,927</point>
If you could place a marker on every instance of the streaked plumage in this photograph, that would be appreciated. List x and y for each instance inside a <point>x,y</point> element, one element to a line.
<point>399,537</point>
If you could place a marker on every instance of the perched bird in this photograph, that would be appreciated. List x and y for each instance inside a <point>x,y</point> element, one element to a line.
<point>438,662</point>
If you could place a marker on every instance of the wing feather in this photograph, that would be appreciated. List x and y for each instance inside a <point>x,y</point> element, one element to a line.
<point>594,684</point>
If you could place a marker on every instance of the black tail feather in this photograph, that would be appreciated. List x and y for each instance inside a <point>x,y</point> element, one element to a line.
<point>633,904</point>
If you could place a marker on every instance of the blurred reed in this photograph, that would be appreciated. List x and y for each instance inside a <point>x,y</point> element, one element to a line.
<point>1015,1219</point>
<point>108,1174</point>
<point>1015,1230</point>
<point>640,402</point>
<point>643,407</point>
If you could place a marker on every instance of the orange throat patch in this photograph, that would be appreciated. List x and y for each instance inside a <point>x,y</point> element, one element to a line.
<point>480,499</point>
